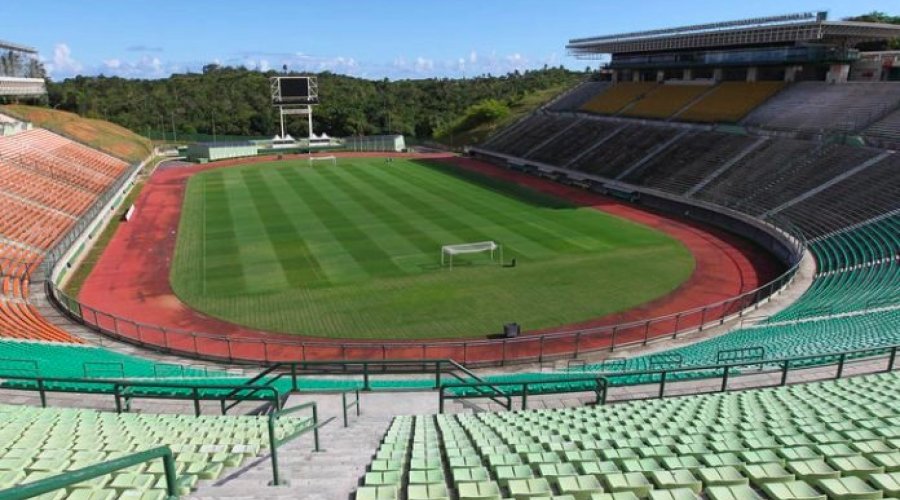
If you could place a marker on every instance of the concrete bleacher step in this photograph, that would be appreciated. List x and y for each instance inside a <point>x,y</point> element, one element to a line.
<point>331,474</point>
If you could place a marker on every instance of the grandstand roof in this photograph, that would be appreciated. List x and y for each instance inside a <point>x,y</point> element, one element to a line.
<point>791,28</point>
<point>4,45</point>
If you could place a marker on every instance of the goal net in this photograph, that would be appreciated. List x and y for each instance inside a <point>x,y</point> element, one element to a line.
<point>448,252</point>
<point>330,160</point>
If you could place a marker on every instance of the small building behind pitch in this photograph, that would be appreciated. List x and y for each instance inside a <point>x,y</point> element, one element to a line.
<point>205,151</point>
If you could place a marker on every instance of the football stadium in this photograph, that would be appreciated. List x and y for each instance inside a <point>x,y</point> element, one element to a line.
<point>675,276</point>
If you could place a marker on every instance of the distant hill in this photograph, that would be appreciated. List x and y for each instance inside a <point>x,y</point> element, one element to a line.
<point>105,136</point>
<point>235,101</point>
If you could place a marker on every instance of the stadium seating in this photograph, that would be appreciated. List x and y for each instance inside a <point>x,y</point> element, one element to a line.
<point>815,106</point>
<point>616,97</point>
<point>627,147</point>
<point>866,195</point>
<point>40,443</point>
<point>528,134</point>
<point>665,100</point>
<point>886,132</point>
<point>754,170</point>
<point>730,101</point>
<point>690,160</point>
<point>837,439</point>
<point>564,148</point>
<point>574,99</point>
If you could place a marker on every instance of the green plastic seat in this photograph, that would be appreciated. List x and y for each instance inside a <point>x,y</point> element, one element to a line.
<point>436,491</point>
<point>854,466</point>
<point>622,495</point>
<point>674,494</point>
<point>381,478</point>
<point>680,478</point>
<point>470,475</point>
<point>890,461</point>
<point>740,492</point>
<point>634,482</point>
<point>143,495</point>
<point>848,488</point>
<point>598,468</point>
<point>378,493</point>
<point>888,483</point>
<point>812,469</point>
<point>721,476</point>
<point>92,494</point>
<point>481,490</point>
<point>430,476</point>
<point>580,487</point>
<point>791,490</point>
<point>529,488</point>
<point>767,473</point>
<point>507,473</point>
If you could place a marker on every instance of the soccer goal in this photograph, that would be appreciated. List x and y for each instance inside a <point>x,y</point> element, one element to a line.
<point>450,251</point>
<point>332,160</point>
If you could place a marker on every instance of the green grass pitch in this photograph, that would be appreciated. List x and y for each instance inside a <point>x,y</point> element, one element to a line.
<point>353,251</point>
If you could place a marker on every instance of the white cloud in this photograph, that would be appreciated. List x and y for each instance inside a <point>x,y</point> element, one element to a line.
<point>63,64</point>
<point>473,57</point>
<point>424,65</point>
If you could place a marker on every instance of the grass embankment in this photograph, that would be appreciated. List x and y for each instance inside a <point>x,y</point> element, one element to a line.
<point>102,135</point>
<point>354,251</point>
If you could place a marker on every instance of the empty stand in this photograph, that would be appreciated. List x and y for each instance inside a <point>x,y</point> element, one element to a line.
<point>624,149</point>
<point>40,443</point>
<point>886,132</point>
<point>575,98</point>
<point>815,106</point>
<point>689,161</point>
<point>616,97</point>
<point>529,133</point>
<point>665,100</point>
<point>728,102</point>
<point>835,439</point>
<point>567,146</point>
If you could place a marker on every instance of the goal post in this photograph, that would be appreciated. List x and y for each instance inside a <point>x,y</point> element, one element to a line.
<point>332,160</point>
<point>450,251</point>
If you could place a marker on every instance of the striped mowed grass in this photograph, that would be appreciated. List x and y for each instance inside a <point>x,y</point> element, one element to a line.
<point>353,251</point>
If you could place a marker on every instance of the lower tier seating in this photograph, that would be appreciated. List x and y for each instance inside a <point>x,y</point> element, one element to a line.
<point>39,443</point>
<point>837,439</point>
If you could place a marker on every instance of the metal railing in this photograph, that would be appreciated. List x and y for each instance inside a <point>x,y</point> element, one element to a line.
<point>275,441</point>
<point>352,404</point>
<point>725,372</point>
<point>53,483</point>
<point>524,389</point>
<point>125,391</point>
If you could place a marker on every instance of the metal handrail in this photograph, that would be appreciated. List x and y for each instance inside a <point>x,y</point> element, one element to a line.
<point>275,441</point>
<point>600,389</point>
<point>118,389</point>
<point>53,483</point>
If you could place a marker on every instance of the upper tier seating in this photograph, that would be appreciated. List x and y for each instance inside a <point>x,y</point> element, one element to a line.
<point>815,106</point>
<point>628,146</point>
<point>690,160</point>
<point>886,132</point>
<point>40,443</point>
<point>837,439</point>
<point>730,101</point>
<point>665,100</point>
<point>617,97</point>
<point>576,98</point>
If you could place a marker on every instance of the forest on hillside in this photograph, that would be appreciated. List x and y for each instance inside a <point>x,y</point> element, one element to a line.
<point>234,101</point>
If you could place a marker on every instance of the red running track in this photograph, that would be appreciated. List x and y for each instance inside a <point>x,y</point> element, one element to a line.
<point>131,281</point>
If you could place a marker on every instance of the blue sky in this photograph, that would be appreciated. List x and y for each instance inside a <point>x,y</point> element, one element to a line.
<point>367,38</point>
